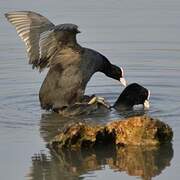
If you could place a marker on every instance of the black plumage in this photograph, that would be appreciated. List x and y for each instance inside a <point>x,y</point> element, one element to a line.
<point>133,94</point>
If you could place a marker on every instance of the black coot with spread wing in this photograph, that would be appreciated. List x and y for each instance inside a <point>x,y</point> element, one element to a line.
<point>71,66</point>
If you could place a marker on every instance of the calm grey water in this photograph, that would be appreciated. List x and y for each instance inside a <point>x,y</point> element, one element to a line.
<point>143,37</point>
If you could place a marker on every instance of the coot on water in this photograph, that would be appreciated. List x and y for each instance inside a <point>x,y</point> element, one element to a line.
<point>71,66</point>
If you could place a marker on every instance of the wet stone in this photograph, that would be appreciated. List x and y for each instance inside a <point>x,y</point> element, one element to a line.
<point>138,130</point>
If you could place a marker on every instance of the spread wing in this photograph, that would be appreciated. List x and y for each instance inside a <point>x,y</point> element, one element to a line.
<point>42,38</point>
<point>52,41</point>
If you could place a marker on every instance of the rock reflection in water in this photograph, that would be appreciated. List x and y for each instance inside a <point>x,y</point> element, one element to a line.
<point>144,162</point>
<point>52,123</point>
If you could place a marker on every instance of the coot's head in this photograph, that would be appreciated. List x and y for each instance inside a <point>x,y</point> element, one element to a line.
<point>112,70</point>
<point>133,94</point>
<point>117,73</point>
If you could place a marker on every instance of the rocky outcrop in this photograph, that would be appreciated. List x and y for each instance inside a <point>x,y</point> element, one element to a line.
<point>138,130</point>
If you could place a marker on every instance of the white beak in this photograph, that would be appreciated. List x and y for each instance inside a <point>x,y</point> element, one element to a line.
<point>146,104</point>
<point>123,82</point>
<point>149,93</point>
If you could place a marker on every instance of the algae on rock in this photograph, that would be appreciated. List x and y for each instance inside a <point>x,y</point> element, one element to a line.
<point>138,130</point>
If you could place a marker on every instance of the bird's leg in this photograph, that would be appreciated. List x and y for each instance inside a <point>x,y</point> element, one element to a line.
<point>100,100</point>
<point>87,98</point>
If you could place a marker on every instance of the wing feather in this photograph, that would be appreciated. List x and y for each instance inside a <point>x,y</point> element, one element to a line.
<point>42,38</point>
<point>29,25</point>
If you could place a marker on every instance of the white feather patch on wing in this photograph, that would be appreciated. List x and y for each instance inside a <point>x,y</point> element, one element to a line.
<point>29,25</point>
<point>22,25</point>
<point>47,45</point>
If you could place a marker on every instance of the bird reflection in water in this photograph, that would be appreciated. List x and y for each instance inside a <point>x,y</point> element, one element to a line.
<point>144,162</point>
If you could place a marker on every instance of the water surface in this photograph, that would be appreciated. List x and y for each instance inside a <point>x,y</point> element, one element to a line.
<point>141,36</point>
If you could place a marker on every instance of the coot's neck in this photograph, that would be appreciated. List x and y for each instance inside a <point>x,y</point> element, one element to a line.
<point>109,69</point>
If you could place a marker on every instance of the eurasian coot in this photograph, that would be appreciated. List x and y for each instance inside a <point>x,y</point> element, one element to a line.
<point>71,66</point>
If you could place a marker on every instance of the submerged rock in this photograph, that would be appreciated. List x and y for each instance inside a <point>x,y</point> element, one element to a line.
<point>138,130</point>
